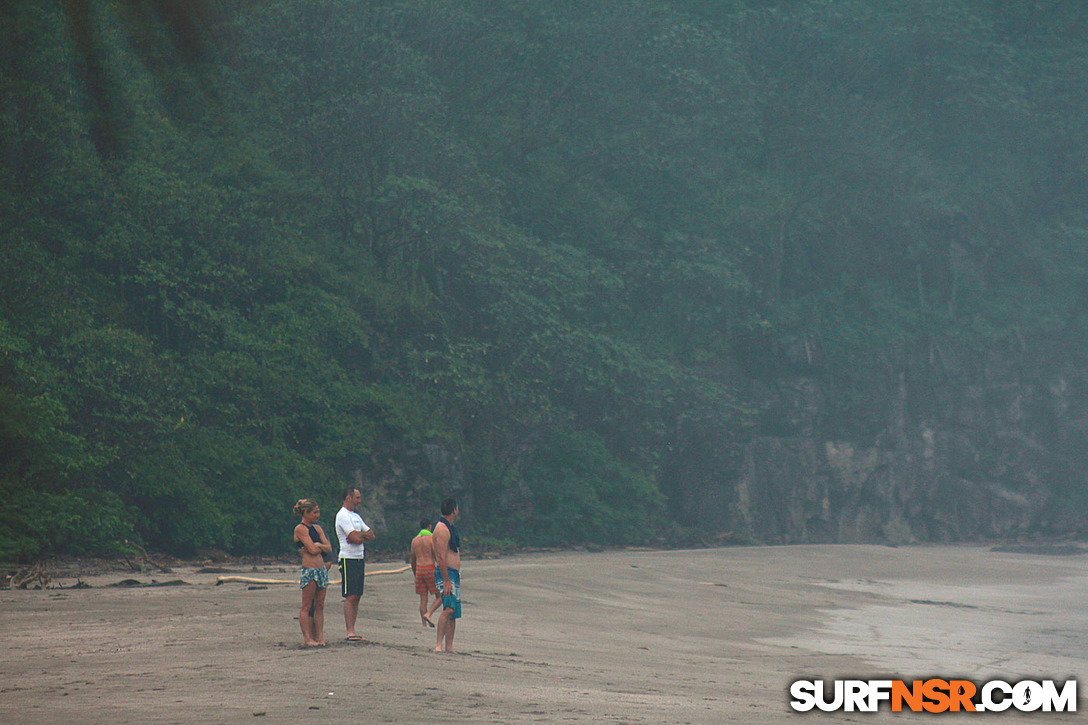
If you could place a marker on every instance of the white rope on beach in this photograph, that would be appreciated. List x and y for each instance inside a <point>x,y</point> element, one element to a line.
<point>252,580</point>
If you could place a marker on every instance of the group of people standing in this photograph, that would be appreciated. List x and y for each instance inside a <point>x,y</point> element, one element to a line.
<point>435,561</point>
<point>436,564</point>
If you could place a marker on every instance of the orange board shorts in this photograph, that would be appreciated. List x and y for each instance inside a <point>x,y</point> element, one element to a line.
<point>425,580</point>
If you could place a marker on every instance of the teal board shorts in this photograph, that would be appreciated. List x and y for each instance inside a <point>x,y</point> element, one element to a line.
<point>318,576</point>
<point>451,594</point>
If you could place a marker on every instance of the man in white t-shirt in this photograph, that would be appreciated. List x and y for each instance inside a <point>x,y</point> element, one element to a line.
<point>352,532</point>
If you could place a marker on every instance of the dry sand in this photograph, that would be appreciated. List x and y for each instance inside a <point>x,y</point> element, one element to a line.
<point>707,636</point>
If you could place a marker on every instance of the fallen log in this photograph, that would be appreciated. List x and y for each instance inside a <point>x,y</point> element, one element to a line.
<point>253,580</point>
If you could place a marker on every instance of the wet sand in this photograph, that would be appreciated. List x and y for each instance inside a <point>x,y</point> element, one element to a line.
<point>707,636</point>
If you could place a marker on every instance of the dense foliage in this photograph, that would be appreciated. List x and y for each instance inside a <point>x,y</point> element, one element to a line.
<point>244,248</point>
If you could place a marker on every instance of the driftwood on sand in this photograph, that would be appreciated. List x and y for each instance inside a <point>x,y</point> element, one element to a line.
<point>147,559</point>
<point>24,577</point>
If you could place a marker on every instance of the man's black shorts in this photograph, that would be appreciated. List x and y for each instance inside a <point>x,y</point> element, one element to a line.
<point>352,577</point>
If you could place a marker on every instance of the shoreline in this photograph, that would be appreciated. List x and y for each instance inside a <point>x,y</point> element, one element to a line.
<point>76,567</point>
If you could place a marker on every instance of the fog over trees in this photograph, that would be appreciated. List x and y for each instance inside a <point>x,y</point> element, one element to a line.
<point>611,272</point>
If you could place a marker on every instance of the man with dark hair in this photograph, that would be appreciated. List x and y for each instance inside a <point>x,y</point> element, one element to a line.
<point>352,532</point>
<point>447,556</point>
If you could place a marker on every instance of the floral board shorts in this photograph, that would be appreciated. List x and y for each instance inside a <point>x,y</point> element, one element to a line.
<point>320,576</point>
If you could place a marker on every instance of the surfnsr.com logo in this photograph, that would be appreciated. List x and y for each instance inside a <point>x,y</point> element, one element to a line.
<point>934,695</point>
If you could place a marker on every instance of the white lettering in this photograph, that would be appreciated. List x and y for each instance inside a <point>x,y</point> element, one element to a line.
<point>836,701</point>
<point>879,690</point>
<point>804,698</point>
<point>1064,701</point>
<point>1000,705</point>
<point>1027,696</point>
<point>855,696</point>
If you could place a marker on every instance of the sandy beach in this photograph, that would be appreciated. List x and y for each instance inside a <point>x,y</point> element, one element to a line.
<point>705,636</point>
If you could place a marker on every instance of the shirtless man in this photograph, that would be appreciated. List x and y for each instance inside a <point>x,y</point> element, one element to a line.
<point>422,561</point>
<point>447,556</point>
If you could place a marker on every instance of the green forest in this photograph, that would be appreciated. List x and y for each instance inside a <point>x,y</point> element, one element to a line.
<point>246,247</point>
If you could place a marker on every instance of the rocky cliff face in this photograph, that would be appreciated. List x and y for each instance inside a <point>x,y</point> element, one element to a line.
<point>401,485</point>
<point>979,449</point>
<point>1003,456</point>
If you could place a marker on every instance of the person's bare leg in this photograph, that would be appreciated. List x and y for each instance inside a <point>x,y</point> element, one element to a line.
<point>434,607</point>
<point>451,628</point>
<point>447,625</point>
<point>351,613</point>
<point>305,621</point>
<point>319,616</point>
<point>424,615</point>
<point>443,622</point>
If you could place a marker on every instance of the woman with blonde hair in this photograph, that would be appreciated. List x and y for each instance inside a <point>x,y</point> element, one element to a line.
<point>313,544</point>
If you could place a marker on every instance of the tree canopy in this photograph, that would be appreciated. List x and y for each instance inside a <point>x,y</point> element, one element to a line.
<point>246,247</point>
